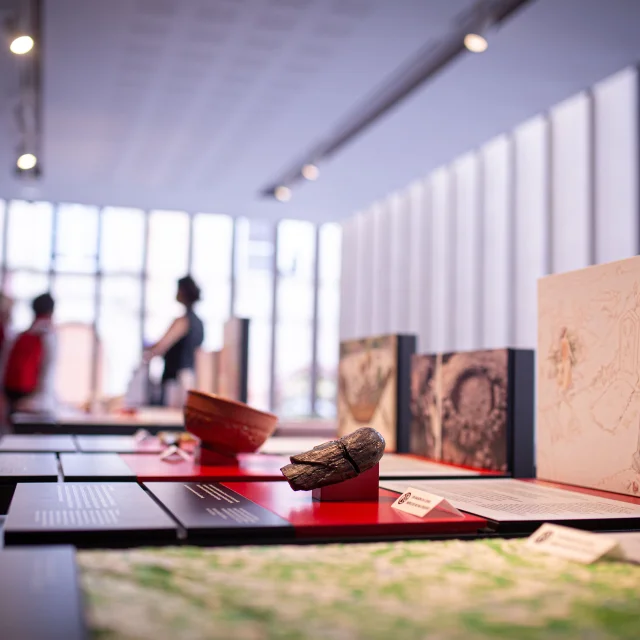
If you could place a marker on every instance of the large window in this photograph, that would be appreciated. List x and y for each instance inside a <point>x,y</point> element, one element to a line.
<point>167,261</point>
<point>294,314</point>
<point>122,249</point>
<point>329,269</point>
<point>29,245</point>
<point>113,273</point>
<point>212,248</point>
<point>255,247</point>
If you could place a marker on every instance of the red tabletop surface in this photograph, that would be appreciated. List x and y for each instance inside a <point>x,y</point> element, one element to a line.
<point>252,466</point>
<point>350,519</point>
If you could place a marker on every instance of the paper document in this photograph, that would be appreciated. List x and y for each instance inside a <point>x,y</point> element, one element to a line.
<point>398,466</point>
<point>509,500</point>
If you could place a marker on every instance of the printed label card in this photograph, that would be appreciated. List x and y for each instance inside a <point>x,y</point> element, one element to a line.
<point>573,544</point>
<point>421,503</point>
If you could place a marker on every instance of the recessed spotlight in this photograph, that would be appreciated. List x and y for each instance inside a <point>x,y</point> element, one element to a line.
<point>21,45</point>
<point>310,172</point>
<point>282,193</point>
<point>475,42</point>
<point>26,161</point>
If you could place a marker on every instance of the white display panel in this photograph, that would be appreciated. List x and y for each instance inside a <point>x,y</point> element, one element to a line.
<point>497,196</point>
<point>571,188</point>
<point>442,257</point>
<point>531,232</point>
<point>615,103</point>
<point>400,242</point>
<point>468,245</point>
<point>381,289</point>
<point>420,308</point>
<point>348,281</point>
<point>366,272</point>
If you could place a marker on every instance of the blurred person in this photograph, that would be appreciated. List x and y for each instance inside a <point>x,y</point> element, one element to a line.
<point>29,370</point>
<point>178,346</point>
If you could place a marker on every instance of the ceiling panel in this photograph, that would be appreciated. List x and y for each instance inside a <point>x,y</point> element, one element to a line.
<point>198,104</point>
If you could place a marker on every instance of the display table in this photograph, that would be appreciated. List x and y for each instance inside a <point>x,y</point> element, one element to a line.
<point>411,590</point>
<point>151,419</point>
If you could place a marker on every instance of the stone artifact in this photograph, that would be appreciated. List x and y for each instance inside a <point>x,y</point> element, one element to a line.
<point>335,461</point>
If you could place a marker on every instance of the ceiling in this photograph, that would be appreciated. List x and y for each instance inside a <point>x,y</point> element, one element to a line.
<point>198,104</point>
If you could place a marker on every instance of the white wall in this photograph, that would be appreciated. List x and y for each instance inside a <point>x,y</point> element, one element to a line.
<point>571,183</point>
<point>531,226</point>
<point>455,257</point>
<point>496,242</point>
<point>466,315</point>
<point>441,262</point>
<point>615,104</point>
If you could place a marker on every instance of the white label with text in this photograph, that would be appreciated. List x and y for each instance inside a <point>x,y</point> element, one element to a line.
<point>572,544</point>
<point>420,503</point>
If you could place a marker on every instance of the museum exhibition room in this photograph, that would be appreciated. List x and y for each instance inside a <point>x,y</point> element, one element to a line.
<point>319,319</point>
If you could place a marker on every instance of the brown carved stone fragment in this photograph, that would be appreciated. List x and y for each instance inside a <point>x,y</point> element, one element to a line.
<point>335,461</point>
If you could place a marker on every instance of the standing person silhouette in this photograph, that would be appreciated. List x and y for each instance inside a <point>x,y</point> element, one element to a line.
<point>178,346</point>
<point>29,371</point>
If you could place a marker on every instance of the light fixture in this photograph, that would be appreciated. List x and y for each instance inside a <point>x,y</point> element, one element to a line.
<point>26,161</point>
<point>310,172</point>
<point>21,45</point>
<point>282,193</point>
<point>475,43</point>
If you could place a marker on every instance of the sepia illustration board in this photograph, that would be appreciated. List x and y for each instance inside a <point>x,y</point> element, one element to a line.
<point>459,408</point>
<point>588,377</point>
<point>367,381</point>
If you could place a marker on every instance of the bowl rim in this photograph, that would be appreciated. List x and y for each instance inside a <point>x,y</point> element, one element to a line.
<point>235,403</point>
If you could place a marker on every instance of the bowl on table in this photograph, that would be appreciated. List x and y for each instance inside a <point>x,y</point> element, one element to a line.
<point>227,426</point>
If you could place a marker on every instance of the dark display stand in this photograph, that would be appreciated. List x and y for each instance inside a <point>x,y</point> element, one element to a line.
<point>210,511</point>
<point>475,409</point>
<point>28,467</point>
<point>41,597</point>
<point>86,515</point>
<point>406,349</point>
<point>24,467</point>
<point>91,467</point>
<point>37,443</point>
<point>26,424</point>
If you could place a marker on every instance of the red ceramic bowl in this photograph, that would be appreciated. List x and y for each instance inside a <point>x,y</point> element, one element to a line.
<point>226,426</point>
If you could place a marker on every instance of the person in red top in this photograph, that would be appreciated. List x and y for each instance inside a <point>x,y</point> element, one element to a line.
<point>29,369</point>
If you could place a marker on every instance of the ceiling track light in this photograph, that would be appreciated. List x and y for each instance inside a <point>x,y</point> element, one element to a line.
<point>21,44</point>
<point>475,40</point>
<point>476,43</point>
<point>282,193</point>
<point>26,161</point>
<point>432,57</point>
<point>23,32</point>
<point>310,172</point>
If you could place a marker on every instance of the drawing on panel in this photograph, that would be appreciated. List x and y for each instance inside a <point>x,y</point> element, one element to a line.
<point>474,396</point>
<point>425,433</point>
<point>589,405</point>
<point>367,374</point>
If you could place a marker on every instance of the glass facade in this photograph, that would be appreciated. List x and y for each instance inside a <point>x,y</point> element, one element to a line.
<point>114,271</point>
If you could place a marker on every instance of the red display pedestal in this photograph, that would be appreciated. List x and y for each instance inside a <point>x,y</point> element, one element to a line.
<point>363,488</point>
<point>211,458</point>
